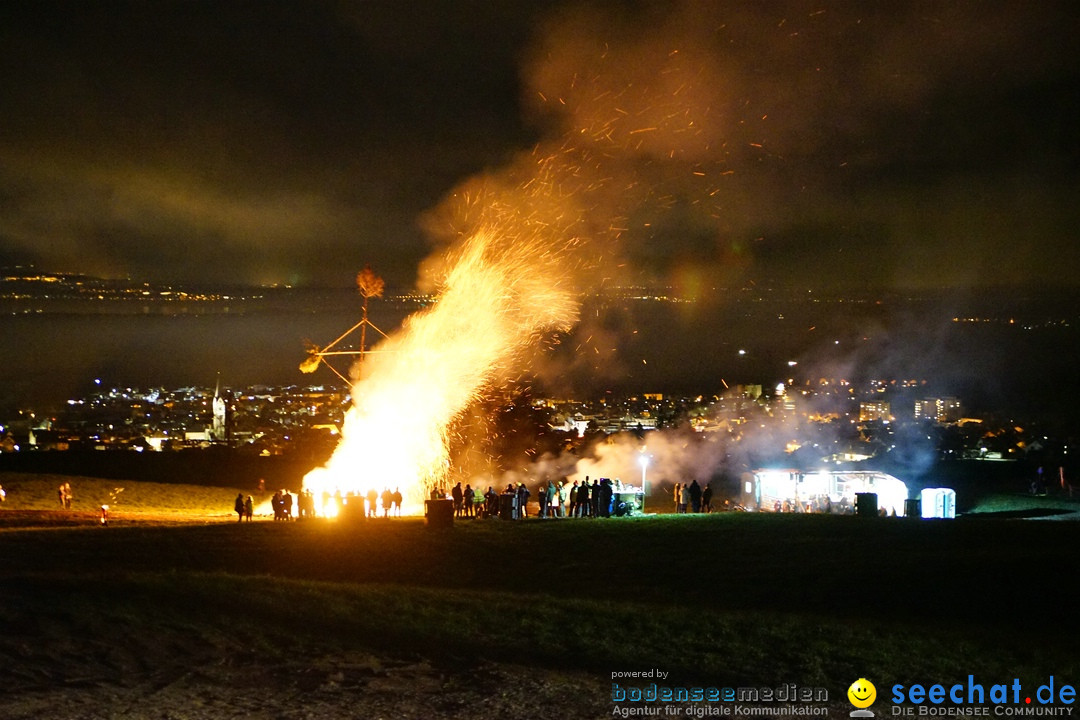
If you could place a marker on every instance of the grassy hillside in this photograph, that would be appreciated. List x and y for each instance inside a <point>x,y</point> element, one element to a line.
<point>39,492</point>
<point>724,599</point>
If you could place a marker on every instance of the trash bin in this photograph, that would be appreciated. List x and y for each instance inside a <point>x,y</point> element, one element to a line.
<point>866,504</point>
<point>352,510</point>
<point>508,506</point>
<point>439,513</point>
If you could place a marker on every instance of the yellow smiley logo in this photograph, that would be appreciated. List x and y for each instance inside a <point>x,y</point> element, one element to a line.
<point>862,693</point>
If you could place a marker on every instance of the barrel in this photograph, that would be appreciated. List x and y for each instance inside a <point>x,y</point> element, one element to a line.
<point>439,513</point>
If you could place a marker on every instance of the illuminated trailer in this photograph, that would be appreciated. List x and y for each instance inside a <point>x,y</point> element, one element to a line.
<point>825,491</point>
<point>627,500</point>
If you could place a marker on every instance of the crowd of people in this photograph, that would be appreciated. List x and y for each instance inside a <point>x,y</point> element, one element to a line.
<point>287,507</point>
<point>283,503</point>
<point>388,501</point>
<point>591,497</point>
<point>691,497</point>
<point>244,508</point>
<point>588,498</point>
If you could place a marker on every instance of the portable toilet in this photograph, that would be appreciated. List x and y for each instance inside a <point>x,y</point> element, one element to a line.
<point>938,503</point>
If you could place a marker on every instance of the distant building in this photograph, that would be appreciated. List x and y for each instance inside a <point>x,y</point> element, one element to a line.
<point>940,410</point>
<point>219,427</point>
<point>197,436</point>
<point>628,423</point>
<point>877,410</point>
<point>577,424</point>
<point>750,391</point>
<point>785,401</point>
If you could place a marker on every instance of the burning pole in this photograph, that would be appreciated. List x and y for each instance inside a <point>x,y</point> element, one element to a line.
<point>370,285</point>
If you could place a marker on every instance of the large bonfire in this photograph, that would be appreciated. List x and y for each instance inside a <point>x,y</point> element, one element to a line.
<point>633,138</point>
<point>500,289</point>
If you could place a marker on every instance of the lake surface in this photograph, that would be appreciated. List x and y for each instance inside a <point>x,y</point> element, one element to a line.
<point>1011,359</point>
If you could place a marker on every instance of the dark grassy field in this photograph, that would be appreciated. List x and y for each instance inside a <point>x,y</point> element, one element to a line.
<point>734,598</point>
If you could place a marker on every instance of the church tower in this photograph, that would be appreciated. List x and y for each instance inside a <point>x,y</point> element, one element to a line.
<point>218,428</point>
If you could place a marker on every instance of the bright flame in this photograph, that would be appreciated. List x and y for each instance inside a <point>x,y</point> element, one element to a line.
<point>504,289</point>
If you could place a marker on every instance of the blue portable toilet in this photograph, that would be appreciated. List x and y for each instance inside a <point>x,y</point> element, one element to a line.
<point>938,503</point>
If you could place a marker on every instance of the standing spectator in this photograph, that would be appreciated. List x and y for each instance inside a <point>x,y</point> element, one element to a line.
<point>238,506</point>
<point>286,505</point>
<point>459,498</point>
<point>469,500</point>
<point>677,494</point>
<point>397,500</point>
<point>695,496</point>
<point>542,499</point>
<point>372,501</point>
<point>387,501</point>
<point>706,498</point>
<point>249,508</point>
<point>583,498</point>
<point>572,499</point>
<point>606,494</point>
<point>522,500</point>
<point>684,498</point>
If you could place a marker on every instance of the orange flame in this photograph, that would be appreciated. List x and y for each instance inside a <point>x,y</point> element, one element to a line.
<point>501,294</point>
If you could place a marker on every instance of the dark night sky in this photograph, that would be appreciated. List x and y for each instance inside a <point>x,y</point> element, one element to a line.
<point>891,144</point>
